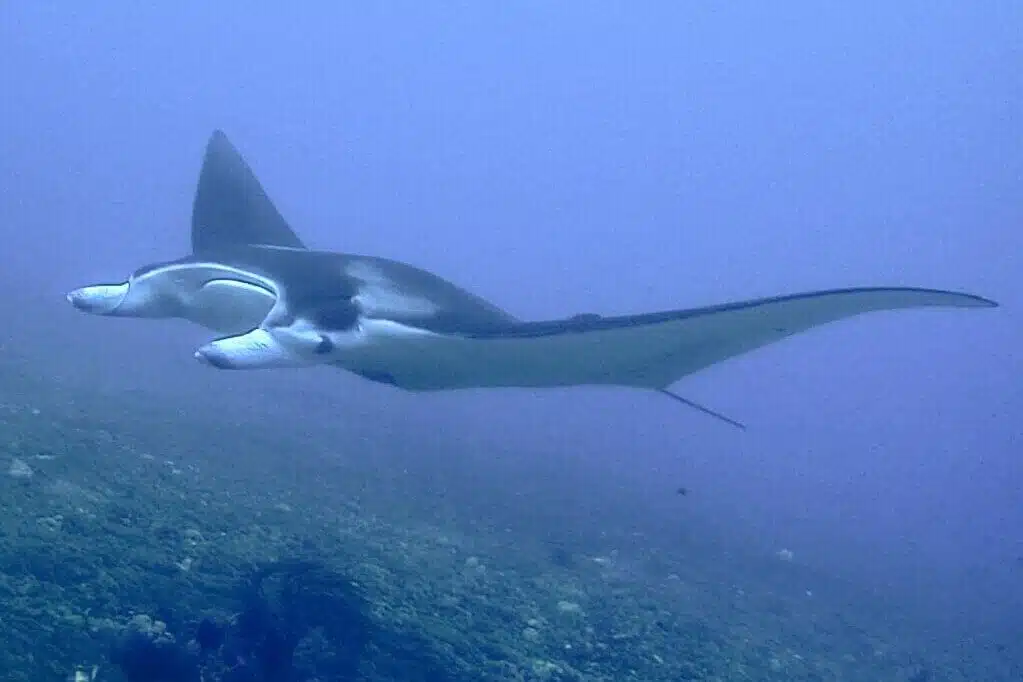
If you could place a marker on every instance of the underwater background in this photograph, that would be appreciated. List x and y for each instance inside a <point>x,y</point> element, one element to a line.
<point>164,522</point>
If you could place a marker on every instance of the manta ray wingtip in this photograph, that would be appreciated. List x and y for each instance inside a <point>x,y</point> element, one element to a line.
<point>988,302</point>
<point>218,136</point>
<point>968,300</point>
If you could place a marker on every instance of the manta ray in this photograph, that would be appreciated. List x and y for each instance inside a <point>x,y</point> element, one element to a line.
<point>277,303</point>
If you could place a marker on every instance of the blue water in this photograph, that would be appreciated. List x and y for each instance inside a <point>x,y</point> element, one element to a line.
<point>555,158</point>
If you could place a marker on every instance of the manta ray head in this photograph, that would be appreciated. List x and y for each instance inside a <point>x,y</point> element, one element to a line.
<point>215,296</point>
<point>269,348</point>
<point>287,340</point>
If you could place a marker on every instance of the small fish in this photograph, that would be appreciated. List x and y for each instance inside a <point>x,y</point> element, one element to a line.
<point>682,491</point>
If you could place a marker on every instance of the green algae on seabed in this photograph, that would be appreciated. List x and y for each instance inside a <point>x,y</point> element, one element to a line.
<point>131,516</point>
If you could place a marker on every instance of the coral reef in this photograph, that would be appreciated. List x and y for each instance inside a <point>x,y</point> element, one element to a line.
<point>138,544</point>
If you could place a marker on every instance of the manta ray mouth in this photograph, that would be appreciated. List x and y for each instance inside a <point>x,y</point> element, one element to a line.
<point>100,299</point>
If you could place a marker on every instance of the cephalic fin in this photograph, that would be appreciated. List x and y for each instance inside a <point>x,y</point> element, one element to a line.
<point>258,349</point>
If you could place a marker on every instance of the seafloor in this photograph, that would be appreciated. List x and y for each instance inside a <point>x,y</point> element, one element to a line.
<point>121,514</point>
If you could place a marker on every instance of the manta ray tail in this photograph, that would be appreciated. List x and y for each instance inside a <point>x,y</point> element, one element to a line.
<point>697,406</point>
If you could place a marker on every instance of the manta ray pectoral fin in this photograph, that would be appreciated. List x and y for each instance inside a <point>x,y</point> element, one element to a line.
<point>702,408</point>
<point>653,350</point>
<point>231,208</point>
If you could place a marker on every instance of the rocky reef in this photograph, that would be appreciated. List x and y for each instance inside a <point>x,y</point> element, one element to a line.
<point>142,543</point>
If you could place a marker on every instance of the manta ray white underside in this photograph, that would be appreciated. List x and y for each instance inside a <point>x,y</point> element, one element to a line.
<point>282,305</point>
